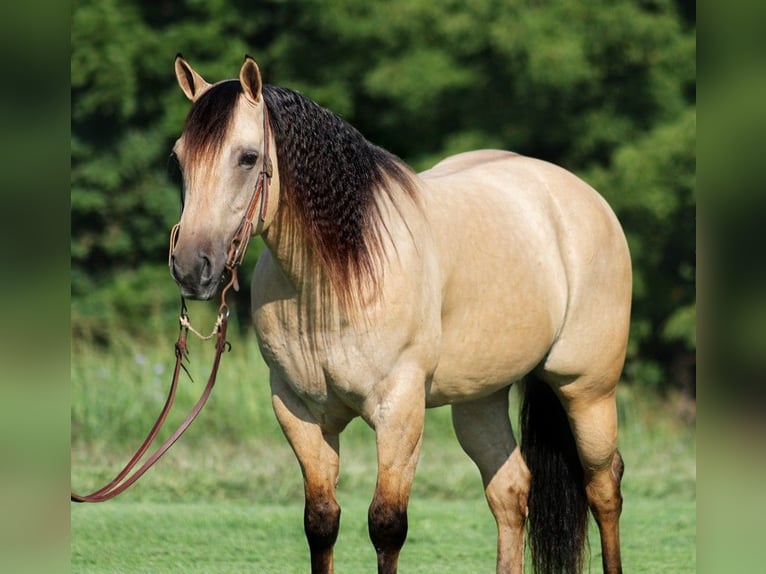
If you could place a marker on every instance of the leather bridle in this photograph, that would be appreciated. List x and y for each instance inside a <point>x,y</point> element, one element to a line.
<point>235,254</point>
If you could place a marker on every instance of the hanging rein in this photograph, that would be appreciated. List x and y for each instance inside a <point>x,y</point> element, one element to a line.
<point>236,253</point>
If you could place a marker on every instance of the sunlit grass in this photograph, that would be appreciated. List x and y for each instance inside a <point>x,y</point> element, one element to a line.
<point>457,536</point>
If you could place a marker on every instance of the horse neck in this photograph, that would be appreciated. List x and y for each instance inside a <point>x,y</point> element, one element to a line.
<point>291,250</point>
<point>303,268</point>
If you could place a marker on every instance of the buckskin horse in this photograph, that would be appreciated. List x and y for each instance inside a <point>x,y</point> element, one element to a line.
<point>383,292</point>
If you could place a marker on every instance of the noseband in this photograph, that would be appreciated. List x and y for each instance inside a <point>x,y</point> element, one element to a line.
<point>234,257</point>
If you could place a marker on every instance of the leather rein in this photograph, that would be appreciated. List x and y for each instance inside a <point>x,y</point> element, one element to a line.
<point>236,253</point>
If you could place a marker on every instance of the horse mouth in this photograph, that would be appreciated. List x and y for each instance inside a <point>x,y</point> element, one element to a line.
<point>199,294</point>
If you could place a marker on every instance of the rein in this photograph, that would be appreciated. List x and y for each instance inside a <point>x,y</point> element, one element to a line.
<point>236,253</point>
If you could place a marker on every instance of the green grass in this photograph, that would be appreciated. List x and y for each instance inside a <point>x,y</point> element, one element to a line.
<point>228,496</point>
<point>445,536</point>
<point>230,537</point>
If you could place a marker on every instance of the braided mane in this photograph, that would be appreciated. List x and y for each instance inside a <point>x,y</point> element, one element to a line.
<point>330,177</point>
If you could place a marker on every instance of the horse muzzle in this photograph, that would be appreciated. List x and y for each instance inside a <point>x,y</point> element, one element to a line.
<point>198,273</point>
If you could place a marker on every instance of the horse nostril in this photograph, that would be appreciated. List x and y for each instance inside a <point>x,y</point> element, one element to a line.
<point>206,269</point>
<point>194,271</point>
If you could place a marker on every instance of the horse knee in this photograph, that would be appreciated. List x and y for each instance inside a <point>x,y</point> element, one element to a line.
<point>387,524</point>
<point>321,521</point>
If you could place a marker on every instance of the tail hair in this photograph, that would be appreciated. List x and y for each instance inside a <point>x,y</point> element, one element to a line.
<point>557,523</point>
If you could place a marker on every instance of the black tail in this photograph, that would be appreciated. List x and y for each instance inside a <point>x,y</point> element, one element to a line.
<point>557,525</point>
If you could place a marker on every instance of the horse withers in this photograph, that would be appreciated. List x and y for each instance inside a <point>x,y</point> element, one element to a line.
<point>382,292</point>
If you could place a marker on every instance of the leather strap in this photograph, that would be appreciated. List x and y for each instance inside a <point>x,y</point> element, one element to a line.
<point>119,483</point>
<point>247,228</point>
<point>236,253</point>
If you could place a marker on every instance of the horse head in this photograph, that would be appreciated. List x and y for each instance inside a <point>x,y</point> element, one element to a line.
<point>224,158</point>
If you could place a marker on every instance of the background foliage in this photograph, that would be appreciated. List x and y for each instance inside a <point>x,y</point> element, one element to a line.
<point>604,88</point>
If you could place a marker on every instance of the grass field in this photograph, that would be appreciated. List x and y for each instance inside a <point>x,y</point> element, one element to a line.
<point>445,536</point>
<point>228,496</point>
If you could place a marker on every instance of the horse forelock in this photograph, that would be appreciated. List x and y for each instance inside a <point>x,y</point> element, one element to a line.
<point>209,120</point>
<point>332,179</point>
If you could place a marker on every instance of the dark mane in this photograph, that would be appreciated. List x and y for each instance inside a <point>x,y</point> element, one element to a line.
<point>330,177</point>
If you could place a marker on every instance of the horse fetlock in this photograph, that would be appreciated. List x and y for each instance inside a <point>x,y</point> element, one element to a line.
<point>321,523</point>
<point>388,526</point>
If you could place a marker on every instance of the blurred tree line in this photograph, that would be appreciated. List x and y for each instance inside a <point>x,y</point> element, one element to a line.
<point>605,88</point>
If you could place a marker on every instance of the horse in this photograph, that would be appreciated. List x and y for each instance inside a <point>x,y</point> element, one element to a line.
<point>382,292</point>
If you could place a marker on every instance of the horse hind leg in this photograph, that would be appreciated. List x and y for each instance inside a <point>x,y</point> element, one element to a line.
<point>484,430</point>
<point>558,507</point>
<point>594,425</point>
<point>605,498</point>
<point>589,402</point>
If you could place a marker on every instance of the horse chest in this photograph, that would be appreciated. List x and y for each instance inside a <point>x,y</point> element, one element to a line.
<point>321,364</point>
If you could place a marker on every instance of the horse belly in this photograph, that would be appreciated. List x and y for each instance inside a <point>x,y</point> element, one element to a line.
<point>483,355</point>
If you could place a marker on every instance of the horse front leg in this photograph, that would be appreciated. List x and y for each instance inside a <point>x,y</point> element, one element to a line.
<point>318,455</point>
<point>398,422</point>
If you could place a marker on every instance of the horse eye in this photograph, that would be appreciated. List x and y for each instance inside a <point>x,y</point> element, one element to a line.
<point>176,175</point>
<point>174,166</point>
<point>248,159</point>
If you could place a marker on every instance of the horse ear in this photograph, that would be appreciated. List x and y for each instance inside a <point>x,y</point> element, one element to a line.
<point>192,84</point>
<point>250,78</point>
